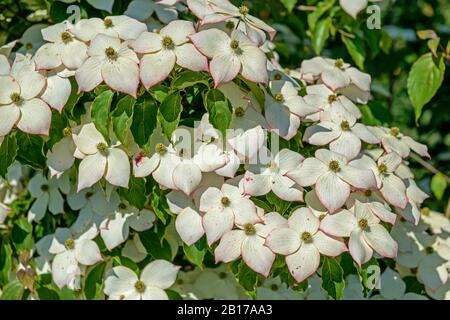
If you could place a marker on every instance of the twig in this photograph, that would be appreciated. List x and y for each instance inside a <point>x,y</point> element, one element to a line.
<point>429,166</point>
<point>447,211</point>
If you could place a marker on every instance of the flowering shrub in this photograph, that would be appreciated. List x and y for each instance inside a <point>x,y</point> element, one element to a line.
<point>135,159</point>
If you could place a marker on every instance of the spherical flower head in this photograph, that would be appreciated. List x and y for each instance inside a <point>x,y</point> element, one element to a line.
<point>16,98</point>
<point>139,286</point>
<point>168,43</point>
<point>229,25</point>
<point>345,126</point>
<point>122,206</point>
<point>368,193</point>
<point>334,166</point>
<point>102,148</point>
<point>108,23</point>
<point>67,132</point>
<point>279,97</point>
<point>429,250</point>
<point>234,44</point>
<point>160,149</point>
<point>239,112</point>
<point>244,10</point>
<point>225,201</point>
<point>249,229</point>
<point>394,131</point>
<point>111,54</point>
<point>66,37</point>
<point>332,98</point>
<point>306,236</point>
<point>45,188</point>
<point>339,63</point>
<point>69,244</point>
<point>363,223</point>
<point>382,168</point>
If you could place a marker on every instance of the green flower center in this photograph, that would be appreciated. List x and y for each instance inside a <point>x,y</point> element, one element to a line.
<point>67,132</point>
<point>16,98</point>
<point>249,229</point>
<point>111,54</point>
<point>70,244</point>
<point>108,23</point>
<point>234,44</point>
<point>277,76</point>
<point>363,223</point>
<point>45,188</point>
<point>29,46</point>
<point>334,166</point>
<point>306,236</point>
<point>222,275</point>
<point>160,148</point>
<point>322,216</point>
<point>382,168</point>
<point>167,42</point>
<point>368,193</point>
<point>229,25</point>
<point>394,131</point>
<point>66,37</point>
<point>274,287</point>
<point>139,286</point>
<point>225,201</point>
<point>339,63</point>
<point>244,10</point>
<point>102,148</point>
<point>429,250</point>
<point>425,211</point>
<point>122,206</point>
<point>88,195</point>
<point>239,112</point>
<point>279,97</point>
<point>345,126</point>
<point>332,98</point>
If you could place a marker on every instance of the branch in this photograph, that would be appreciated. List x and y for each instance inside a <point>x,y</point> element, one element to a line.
<point>428,166</point>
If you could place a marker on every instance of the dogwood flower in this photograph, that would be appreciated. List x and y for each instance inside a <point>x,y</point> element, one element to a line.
<point>415,198</point>
<point>231,55</point>
<point>223,208</point>
<point>63,49</point>
<point>394,141</point>
<point>332,176</point>
<point>59,88</point>
<point>342,133</point>
<point>122,27</point>
<point>271,176</point>
<point>60,157</point>
<point>20,104</point>
<point>248,242</point>
<point>110,61</point>
<point>143,9</point>
<point>391,187</point>
<point>99,160</point>
<point>375,204</point>
<point>353,7</point>
<point>123,284</point>
<point>302,243</point>
<point>71,252</point>
<point>365,232</point>
<point>161,51</point>
<point>31,39</point>
<point>392,287</point>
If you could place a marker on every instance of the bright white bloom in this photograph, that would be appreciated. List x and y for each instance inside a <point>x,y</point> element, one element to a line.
<point>394,141</point>
<point>223,208</point>
<point>302,243</point>
<point>110,61</point>
<point>143,9</point>
<point>415,197</point>
<point>231,56</point>
<point>20,104</point>
<point>63,49</point>
<point>121,27</point>
<point>70,252</point>
<point>59,88</point>
<point>375,204</point>
<point>353,7</point>
<point>391,187</point>
<point>437,221</point>
<point>99,160</point>
<point>161,51</point>
<point>392,287</point>
<point>271,176</point>
<point>248,242</point>
<point>365,232</point>
<point>123,284</point>
<point>60,157</point>
<point>332,177</point>
<point>343,134</point>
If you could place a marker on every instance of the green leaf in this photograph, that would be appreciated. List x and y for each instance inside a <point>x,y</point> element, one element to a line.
<point>122,119</point>
<point>170,112</point>
<point>144,119</point>
<point>5,262</point>
<point>157,248</point>
<point>73,98</point>
<point>289,4</point>
<point>12,291</point>
<point>438,185</point>
<point>100,111</point>
<point>158,204</point>
<point>135,194</point>
<point>321,34</point>
<point>159,92</point>
<point>173,295</point>
<point>47,294</point>
<point>356,49</point>
<point>189,79</point>
<point>8,152</point>
<point>280,205</point>
<point>247,278</point>
<point>321,8</point>
<point>126,262</point>
<point>369,274</point>
<point>94,282</point>
<point>22,234</point>
<point>30,150</point>
<point>195,253</point>
<point>332,277</point>
<point>424,80</point>
<point>219,109</point>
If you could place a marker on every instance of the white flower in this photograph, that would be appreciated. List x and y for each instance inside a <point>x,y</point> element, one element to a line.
<point>223,208</point>
<point>364,230</point>
<point>375,204</point>
<point>4,212</point>
<point>248,242</point>
<point>353,7</point>
<point>231,56</point>
<point>31,39</point>
<point>161,51</point>
<point>123,284</point>
<point>70,252</point>
<point>271,176</point>
<point>415,198</point>
<point>63,49</point>
<point>332,177</point>
<point>59,88</point>
<point>99,160</point>
<point>143,9</point>
<point>392,287</point>
<point>302,243</point>
<point>19,99</point>
<point>60,157</point>
<point>111,61</point>
<point>342,133</point>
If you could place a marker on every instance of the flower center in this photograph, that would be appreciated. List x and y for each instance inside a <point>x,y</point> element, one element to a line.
<point>368,193</point>
<point>111,54</point>
<point>306,236</point>
<point>180,281</point>
<point>425,211</point>
<point>167,42</point>
<point>67,132</point>
<point>382,168</point>
<point>70,244</point>
<point>277,76</point>
<point>249,229</point>
<point>122,206</point>
<point>279,97</point>
<point>339,63</point>
<point>234,44</point>
<point>225,201</point>
<point>108,23</point>
<point>222,275</point>
<point>88,195</point>
<point>244,10</point>
<point>274,287</point>
<point>45,188</point>
<point>429,250</point>
<point>322,216</point>
<point>160,148</point>
<point>345,126</point>
<point>334,166</point>
<point>29,46</point>
<point>139,286</point>
<point>66,37</point>
<point>239,112</point>
<point>363,223</point>
<point>332,98</point>
<point>16,98</point>
<point>229,25</point>
<point>102,148</point>
<point>394,131</point>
